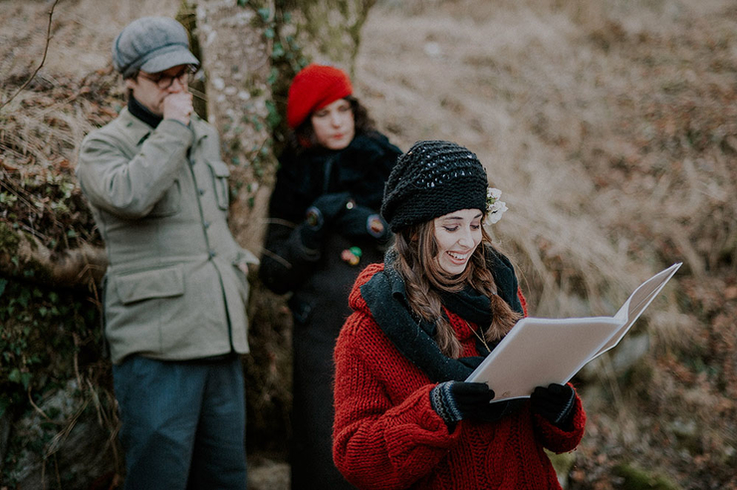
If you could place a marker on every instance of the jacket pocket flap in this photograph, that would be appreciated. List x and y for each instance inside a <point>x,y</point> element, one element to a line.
<point>219,169</point>
<point>156,283</point>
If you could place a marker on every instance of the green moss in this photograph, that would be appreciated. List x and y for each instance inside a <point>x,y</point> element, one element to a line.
<point>561,462</point>
<point>255,91</point>
<point>31,241</point>
<point>45,332</point>
<point>9,239</point>
<point>638,479</point>
<point>37,270</point>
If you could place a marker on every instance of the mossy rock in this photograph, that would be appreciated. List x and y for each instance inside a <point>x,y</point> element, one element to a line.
<point>635,478</point>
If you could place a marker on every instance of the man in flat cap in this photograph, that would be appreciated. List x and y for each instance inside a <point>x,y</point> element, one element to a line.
<point>175,290</point>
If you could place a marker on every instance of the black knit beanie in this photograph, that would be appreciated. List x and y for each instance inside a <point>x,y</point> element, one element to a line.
<point>432,179</point>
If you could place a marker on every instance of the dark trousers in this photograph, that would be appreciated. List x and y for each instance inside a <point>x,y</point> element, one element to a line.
<point>312,414</point>
<point>183,423</point>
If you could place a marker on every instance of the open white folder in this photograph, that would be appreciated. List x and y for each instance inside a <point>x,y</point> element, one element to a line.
<point>540,351</point>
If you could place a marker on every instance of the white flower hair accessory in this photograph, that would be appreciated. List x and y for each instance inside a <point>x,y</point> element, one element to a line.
<point>494,207</point>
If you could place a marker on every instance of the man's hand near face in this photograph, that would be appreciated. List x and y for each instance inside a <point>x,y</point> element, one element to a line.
<point>178,106</point>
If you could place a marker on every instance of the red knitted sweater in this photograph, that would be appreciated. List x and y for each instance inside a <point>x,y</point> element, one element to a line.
<point>387,436</point>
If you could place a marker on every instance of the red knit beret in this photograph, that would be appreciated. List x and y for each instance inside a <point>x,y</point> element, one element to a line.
<point>312,89</point>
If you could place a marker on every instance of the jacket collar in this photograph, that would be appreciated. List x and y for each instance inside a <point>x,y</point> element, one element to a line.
<point>140,131</point>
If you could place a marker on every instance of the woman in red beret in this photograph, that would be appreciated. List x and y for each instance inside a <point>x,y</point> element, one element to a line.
<point>324,227</point>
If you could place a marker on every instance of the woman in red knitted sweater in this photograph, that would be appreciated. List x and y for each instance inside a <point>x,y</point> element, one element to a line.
<point>422,321</point>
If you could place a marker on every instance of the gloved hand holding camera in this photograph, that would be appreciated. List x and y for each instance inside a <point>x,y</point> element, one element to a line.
<point>323,211</point>
<point>339,211</point>
<point>360,221</point>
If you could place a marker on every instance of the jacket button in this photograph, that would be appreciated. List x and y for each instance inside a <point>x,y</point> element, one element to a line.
<point>206,224</point>
<point>201,191</point>
<point>212,254</point>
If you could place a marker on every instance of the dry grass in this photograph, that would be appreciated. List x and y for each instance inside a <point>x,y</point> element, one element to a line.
<point>558,100</point>
<point>484,84</point>
<point>42,131</point>
<point>83,31</point>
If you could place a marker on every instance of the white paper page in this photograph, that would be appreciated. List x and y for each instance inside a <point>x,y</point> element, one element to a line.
<point>540,351</point>
<point>637,302</point>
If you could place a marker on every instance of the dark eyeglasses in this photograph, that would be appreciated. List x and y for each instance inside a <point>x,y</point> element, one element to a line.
<point>166,81</point>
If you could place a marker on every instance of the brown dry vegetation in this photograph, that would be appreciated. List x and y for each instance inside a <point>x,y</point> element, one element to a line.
<point>610,126</point>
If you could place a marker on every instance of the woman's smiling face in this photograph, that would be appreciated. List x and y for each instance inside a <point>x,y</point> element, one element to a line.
<point>457,235</point>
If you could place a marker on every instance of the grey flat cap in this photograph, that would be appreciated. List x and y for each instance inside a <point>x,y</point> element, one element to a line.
<point>151,44</point>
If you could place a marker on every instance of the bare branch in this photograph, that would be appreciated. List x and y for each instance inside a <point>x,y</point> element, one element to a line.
<point>43,60</point>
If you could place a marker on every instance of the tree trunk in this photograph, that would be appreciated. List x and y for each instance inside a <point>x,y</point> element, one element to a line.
<point>236,59</point>
<point>329,31</point>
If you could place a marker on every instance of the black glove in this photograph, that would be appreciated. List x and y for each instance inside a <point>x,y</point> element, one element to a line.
<point>555,403</point>
<point>361,221</point>
<point>329,206</point>
<point>320,214</point>
<point>458,400</point>
<point>500,410</point>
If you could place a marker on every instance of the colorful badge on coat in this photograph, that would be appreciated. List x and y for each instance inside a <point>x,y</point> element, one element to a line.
<point>351,255</point>
<point>375,226</point>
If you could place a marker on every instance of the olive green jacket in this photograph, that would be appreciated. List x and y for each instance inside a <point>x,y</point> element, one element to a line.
<point>173,288</point>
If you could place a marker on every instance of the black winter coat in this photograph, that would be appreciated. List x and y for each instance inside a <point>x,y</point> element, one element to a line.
<point>361,169</point>
<point>320,281</point>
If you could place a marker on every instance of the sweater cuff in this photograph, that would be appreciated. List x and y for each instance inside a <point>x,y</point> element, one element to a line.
<point>441,400</point>
<point>414,422</point>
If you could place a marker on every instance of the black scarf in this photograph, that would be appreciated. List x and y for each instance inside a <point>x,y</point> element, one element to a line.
<point>142,113</point>
<point>470,305</point>
<point>386,297</point>
<point>474,307</point>
<point>360,169</point>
